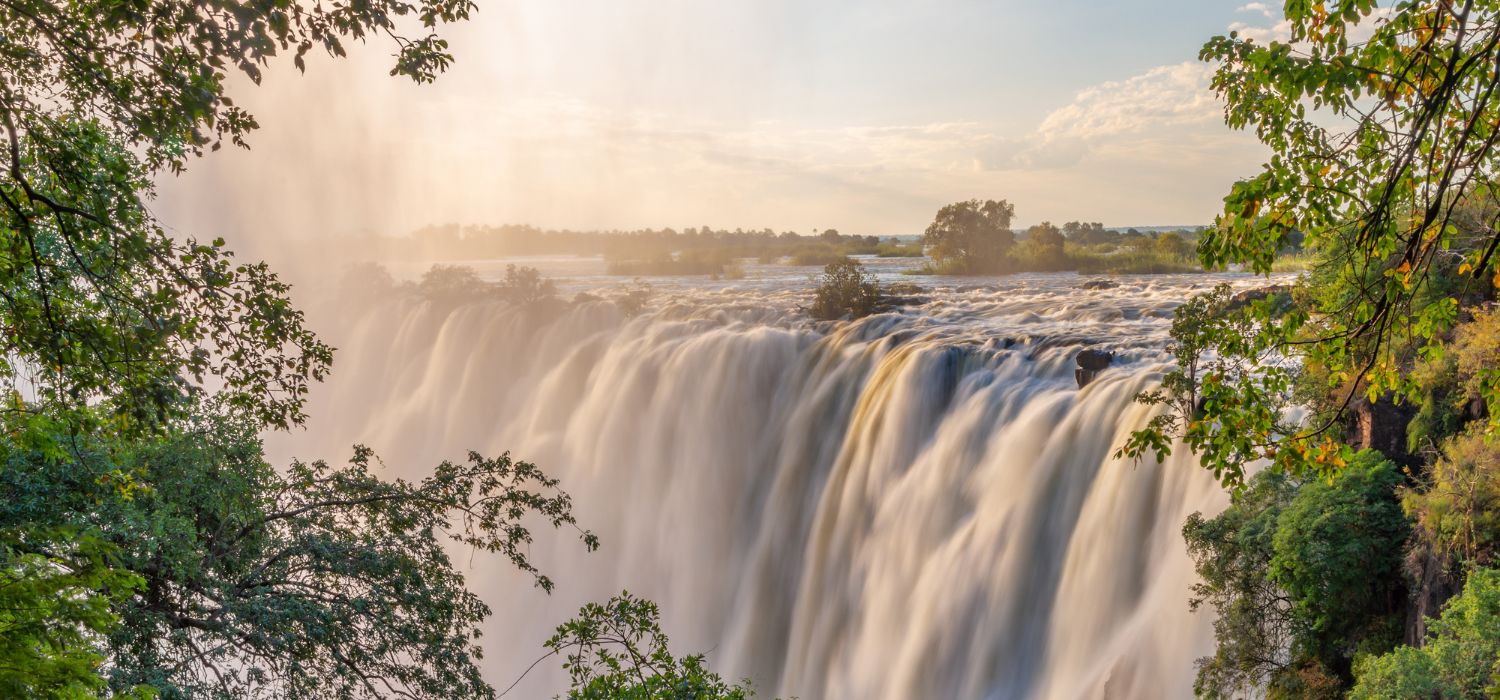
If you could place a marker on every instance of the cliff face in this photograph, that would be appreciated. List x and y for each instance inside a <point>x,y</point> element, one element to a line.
<point>1432,585</point>
<point>1381,426</point>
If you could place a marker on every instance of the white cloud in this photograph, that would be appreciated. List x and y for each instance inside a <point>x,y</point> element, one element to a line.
<point>1257,7</point>
<point>1155,116</point>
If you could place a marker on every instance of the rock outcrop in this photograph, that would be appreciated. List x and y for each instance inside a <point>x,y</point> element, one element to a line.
<point>1281,292</point>
<point>1381,426</point>
<point>1090,363</point>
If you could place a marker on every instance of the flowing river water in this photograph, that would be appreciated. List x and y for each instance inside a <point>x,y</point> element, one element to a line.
<point>917,504</point>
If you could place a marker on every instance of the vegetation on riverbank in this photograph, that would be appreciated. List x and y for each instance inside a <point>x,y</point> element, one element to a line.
<point>1362,558</point>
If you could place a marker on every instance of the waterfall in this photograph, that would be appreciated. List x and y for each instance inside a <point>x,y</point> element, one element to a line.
<point>918,504</point>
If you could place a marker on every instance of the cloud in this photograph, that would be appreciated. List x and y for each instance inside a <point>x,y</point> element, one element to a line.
<point>488,147</point>
<point>1153,116</point>
<point>1257,7</point>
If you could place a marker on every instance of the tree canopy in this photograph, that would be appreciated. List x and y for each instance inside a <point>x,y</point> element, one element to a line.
<point>971,236</point>
<point>1381,123</point>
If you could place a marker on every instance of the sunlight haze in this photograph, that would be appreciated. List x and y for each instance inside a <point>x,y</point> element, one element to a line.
<point>863,116</point>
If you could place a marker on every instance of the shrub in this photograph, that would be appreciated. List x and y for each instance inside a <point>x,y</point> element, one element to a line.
<point>1458,513</point>
<point>1460,659</point>
<point>845,289</point>
<point>634,299</point>
<point>1304,576</point>
<point>525,285</point>
<point>893,249</point>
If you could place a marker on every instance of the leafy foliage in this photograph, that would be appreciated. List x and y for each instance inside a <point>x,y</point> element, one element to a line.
<point>321,582</point>
<point>155,72</point>
<point>1460,659</point>
<point>524,285</point>
<point>56,592</point>
<point>1224,400</point>
<point>160,549</point>
<point>846,289</point>
<point>972,236</point>
<point>1458,510</point>
<point>101,304</point>
<point>1233,552</point>
<point>1338,555</point>
<point>105,307</point>
<point>616,651</point>
<point>1384,159</point>
<point>1043,248</point>
<point>1304,577</point>
<point>1450,386</point>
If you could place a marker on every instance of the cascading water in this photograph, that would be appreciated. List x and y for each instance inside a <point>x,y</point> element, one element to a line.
<point>919,504</point>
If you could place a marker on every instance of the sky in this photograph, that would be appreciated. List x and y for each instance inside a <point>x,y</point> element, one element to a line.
<point>861,115</point>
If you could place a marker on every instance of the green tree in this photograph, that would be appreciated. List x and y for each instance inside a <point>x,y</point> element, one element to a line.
<point>1304,576</point>
<point>1338,556</point>
<point>451,284</point>
<point>1450,386</point>
<point>1457,510</point>
<point>1172,244</point>
<point>845,289</point>
<point>58,589</point>
<point>1379,148</point>
<point>320,581</point>
<point>94,96</point>
<point>113,330</point>
<point>972,236</point>
<point>1254,624</point>
<point>617,651</point>
<point>526,286</point>
<point>1043,248</point>
<point>1460,659</point>
<point>1086,233</point>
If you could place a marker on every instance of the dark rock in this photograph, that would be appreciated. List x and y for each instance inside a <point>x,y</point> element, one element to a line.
<point>1090,363</point>
<point>1429,571</point>
<point>891,303</point>
<point>1094,359</point>
<point>1282,293</point>
<point>1381,426</point>
<point>1099,284</point>
<point>905,289</point>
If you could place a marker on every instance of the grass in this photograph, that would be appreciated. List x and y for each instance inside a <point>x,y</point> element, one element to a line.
<point>899,250</point>
<point>1144,262</point>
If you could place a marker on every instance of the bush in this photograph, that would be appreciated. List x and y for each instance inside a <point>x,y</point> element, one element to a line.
<point>893,249</point>
<point>818,254</point>
<point>1458,513</point>
<point>525,285</point>
<point>632,301</point>
<point>1304,578</point>
<point>1460,659</point>
<point>845,289</point>
<point>617,650</point>
<point>1453,386</point>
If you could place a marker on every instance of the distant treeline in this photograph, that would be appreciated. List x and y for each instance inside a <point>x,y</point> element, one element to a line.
<point>975,237</point>
<point>708,251</point>
<point>452,241</point>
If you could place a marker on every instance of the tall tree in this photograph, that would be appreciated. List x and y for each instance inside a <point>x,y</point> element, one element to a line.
<point>971,236</point>
<point>1044,247</point>
<point>94,96</point>
<point>127,542</point>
